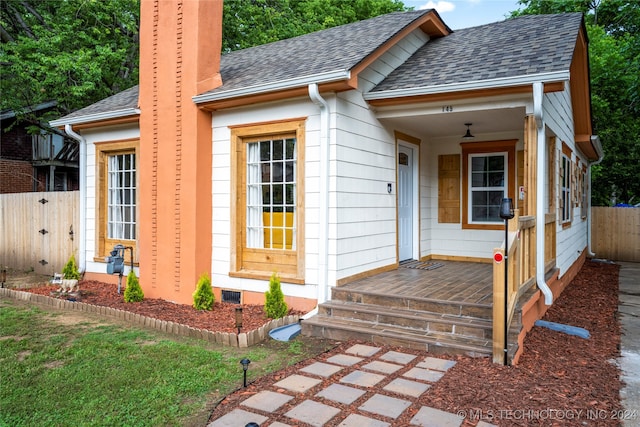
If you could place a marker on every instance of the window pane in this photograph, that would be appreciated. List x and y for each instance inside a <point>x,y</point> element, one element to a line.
<point>278,148</point>
<point>265,151</point>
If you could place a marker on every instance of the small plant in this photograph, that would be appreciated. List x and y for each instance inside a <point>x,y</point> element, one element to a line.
<point>203,297</point>
<point>133,291</point>
<point>275,306</point>
<point>70,270</point>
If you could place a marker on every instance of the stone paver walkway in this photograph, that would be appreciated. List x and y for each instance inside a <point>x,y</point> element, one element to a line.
<point>361,375</point>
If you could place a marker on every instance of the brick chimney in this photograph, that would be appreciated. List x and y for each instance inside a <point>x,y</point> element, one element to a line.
<point>180,44</point>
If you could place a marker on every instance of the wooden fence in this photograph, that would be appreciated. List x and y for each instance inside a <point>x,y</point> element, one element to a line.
<point>39,231</point>
<point>616,233</point>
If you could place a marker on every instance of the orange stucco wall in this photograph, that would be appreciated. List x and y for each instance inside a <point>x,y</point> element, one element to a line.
<point>535,308</point>
<point>180,43</point>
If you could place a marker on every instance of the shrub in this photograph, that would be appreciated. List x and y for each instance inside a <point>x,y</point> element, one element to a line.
<point>133,291</point>
<point>203,297</point>
<point>274,305</point>
<point>70,270</point>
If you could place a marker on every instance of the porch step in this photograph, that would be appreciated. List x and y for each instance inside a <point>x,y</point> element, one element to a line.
<point>382,333</point>
<point>453,308</point>
<point>413,319</point>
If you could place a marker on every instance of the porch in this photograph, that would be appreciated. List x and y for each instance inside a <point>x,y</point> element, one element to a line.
<point>437,306</point>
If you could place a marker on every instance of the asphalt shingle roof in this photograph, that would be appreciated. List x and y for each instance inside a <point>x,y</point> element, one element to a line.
<point>516,47</point>
<point>120,101</point>
<point>333,49</point>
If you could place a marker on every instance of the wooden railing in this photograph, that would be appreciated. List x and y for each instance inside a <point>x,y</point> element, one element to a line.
<point>520,263</point>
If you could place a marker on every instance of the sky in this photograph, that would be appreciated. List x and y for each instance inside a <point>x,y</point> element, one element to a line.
<point>467,13</point>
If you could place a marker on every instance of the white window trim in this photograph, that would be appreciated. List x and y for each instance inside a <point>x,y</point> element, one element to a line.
<point>471,189</point>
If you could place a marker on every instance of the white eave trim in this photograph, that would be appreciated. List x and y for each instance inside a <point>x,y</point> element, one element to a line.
<point>328,77</point>
<point>472,85</point>
<point>109,115</point>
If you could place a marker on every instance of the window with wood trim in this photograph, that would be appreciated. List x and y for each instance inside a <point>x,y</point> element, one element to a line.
<point>488,171</point>
<point>117,196</point>
<point>269,194</point>
<point>565,189</point>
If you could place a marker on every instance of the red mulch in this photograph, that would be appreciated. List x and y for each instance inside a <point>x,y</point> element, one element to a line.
<point>560,380</point>
<point>220,319</point>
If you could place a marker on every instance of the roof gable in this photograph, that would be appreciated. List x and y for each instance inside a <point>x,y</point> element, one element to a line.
<point>334,52</point>
<point>526,45</point>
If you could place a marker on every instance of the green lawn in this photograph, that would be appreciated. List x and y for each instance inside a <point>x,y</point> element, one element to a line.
<point>63,369</point>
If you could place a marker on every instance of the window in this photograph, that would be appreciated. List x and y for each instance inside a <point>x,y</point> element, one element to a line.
<point>565,186</point>
<point>267,231</point>
<point>488,177</point>
<point>121,200</point>
<point>117,196</point>
<point>487,186</point>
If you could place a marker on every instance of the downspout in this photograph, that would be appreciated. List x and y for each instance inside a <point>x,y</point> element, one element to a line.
<point>83,193</point>
<point>598,147</point>
<point>538,92</point>
<point>323,215</point>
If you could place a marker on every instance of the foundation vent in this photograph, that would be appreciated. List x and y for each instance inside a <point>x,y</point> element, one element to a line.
<point>231,296</point>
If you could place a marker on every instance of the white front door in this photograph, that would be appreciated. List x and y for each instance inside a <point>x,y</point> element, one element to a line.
<point>405,203</point>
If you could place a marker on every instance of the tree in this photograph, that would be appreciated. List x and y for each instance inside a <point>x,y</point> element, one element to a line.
<point>75,52</point>
<point>614,60</point>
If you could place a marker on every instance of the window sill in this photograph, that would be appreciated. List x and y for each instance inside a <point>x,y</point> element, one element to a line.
<point>263,275</point>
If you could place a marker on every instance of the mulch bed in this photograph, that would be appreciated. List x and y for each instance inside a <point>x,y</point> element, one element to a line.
<point>220,319</point>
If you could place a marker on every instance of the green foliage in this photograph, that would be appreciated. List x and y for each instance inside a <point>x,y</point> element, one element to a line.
<point>133,291</point>
<point>203,297</point>
<point>613,28</point>
<point>70,270</point>
<point>275,306</point>
<point>75,52</point>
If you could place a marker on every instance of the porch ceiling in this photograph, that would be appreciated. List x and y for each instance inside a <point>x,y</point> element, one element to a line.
<point>440,124</point>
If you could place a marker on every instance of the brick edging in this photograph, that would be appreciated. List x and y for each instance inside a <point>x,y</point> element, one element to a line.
<point>244,339</point>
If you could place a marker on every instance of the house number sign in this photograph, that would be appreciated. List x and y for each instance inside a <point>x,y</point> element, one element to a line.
<point>447,108</point>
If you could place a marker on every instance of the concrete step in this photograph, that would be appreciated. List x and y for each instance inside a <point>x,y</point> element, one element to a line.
<point>454,308</point>
<point>411,319</point>
<point>434,342</point>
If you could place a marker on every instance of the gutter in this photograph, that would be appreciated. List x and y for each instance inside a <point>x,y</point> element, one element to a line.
<point>328,77</point>
<point>116,114</point>
<point>595,140</point>
<point>472,85</point>
<point>538,93</point>
<point>323,232</point>
<point>82,176</point>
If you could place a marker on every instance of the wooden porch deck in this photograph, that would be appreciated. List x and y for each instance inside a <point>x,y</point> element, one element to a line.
<point>466,282</point>
<point>437,306</point>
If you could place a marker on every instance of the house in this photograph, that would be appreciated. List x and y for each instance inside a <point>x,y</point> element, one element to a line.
<point>334,156</point>
<point>35,162</point>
